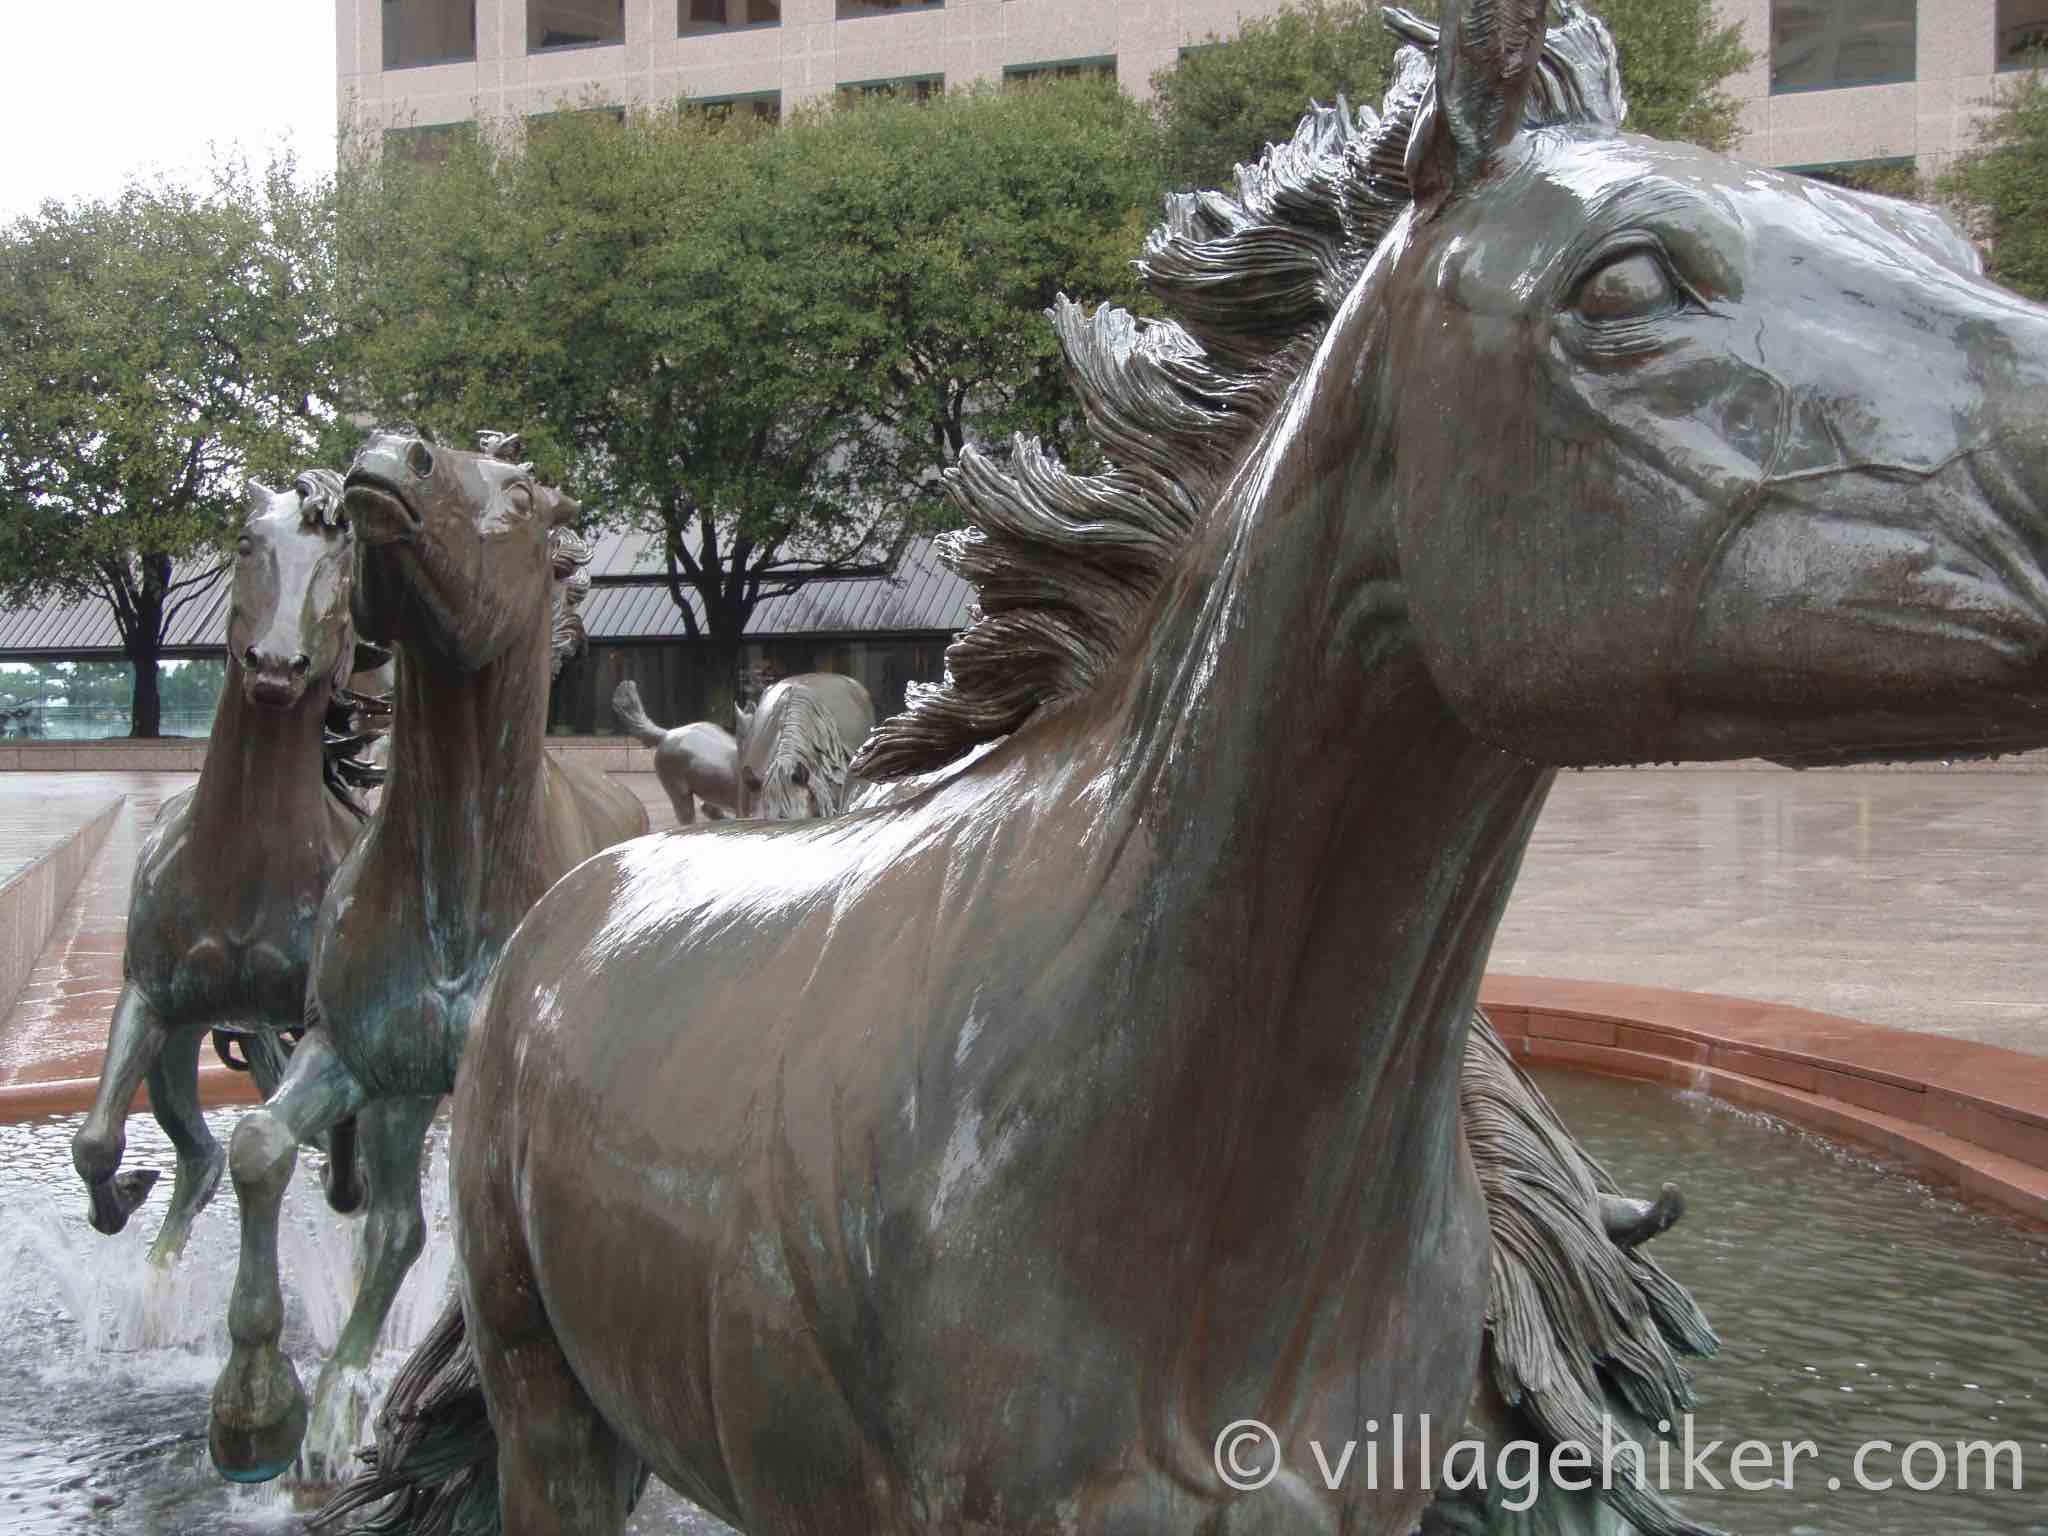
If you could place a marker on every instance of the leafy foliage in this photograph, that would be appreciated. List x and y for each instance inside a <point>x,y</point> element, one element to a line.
<point>156,350</point>
<point>2002,183</point>
<point>1225,101</point>
<point>763,343</point>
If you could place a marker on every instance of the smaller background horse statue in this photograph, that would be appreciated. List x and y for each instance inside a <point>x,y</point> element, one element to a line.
<point>220,915</point>
<point>460,560</point>
<point>796,746</point>
<point>696,763</point>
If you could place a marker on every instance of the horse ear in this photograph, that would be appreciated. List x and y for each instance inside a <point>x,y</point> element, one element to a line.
<point>564,510</point>
<point>259,495</point>
<point>1487,56</point>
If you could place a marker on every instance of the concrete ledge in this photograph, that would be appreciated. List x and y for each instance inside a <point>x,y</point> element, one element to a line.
<point>33,900</point>
<point>176,754</point>
<point>1972,1116</point>
<point>74,1095</point>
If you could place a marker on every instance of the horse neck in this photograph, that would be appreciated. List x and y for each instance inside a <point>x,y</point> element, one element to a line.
<point>462,811</point>
<point>262,775</point>
<point>1346,845</point>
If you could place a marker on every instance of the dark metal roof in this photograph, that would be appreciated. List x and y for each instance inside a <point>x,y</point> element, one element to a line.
<point>629,600</point>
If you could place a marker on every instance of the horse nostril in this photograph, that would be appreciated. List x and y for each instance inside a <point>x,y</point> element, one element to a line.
<point>419,458</point>
<point>301,664</point>
<point>800,776</point>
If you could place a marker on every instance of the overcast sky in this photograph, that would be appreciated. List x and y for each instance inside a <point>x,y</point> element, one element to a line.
<point>92,90</point>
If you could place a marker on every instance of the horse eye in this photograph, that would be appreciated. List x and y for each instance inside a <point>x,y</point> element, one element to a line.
<point>245,546</point>
<point>1628,287</point>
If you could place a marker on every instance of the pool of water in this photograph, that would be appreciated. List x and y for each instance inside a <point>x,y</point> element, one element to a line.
<point>1856,1305</point>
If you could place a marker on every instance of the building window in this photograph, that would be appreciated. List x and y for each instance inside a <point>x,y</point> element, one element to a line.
<point>574,24</point>
<point>765,106</point>
<point>429,145</point>
<point>917,87</point>
<point>698,18</point>
<point>853,10</point>
<point>1898,177</point>
<point>540,122</point>
<point>2023,34</point>
<point>1818,44</point>
<point>420,32</point>
<point>1065,69</point>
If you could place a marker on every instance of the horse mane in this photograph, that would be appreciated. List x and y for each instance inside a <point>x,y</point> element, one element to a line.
<point>1572,1319</point>
<point>806,734</point>
<point>1065,566</point>
<point>569,555</point>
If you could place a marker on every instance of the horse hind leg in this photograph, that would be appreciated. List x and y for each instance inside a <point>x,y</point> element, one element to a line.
<point>258,1412</point>
<point>174,1100</point>
<point>134,1040</point>
<point>393,1134</point>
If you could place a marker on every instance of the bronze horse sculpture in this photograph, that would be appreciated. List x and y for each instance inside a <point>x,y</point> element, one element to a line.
<point>456,567</point>
<point>796,746</point>
<point>221,911</point>
<point>697,763</point>
<point>964,1165</point>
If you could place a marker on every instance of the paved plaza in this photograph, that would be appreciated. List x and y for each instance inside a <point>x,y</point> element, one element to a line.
<point>1916,899</point>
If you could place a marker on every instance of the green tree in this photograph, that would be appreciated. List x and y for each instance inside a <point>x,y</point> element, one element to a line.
<point>2001,185</point>
<point>760,342</point>
<point>155,350</point>
<point>1224,101</point>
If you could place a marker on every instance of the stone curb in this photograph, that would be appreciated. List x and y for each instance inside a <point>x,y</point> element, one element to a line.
<point>1968,1115</point>
<point>33,900</point>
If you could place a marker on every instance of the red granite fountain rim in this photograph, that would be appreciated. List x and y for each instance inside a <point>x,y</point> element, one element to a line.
<point>1974,1116</point>
<point>1778,1042</point>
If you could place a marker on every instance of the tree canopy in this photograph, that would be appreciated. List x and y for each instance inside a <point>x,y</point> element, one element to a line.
<point>1224,101</point>
<point>762,343</point>
<point>2001,184</point>
<point>155,350</point>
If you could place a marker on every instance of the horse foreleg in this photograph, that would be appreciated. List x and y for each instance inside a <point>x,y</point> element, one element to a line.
<point>174,1100</point>
<point>133,1041</point>
<point>393,1133</point>
<point>259,1409</point>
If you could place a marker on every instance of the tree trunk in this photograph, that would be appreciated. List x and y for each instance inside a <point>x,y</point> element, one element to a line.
<point>719,654</point>
<point>145,712</point>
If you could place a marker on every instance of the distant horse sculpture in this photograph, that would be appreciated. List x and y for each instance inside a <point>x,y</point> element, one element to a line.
<point>796,746</point>
<point>969,1163</point>
<point>1583,1329</point>
<point>455,567</point>
<point>696,763</point>
<point>220,916</point>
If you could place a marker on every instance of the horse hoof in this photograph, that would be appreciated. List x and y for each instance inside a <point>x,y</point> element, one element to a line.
<point>258,1417</point>
<point>115,1200</point>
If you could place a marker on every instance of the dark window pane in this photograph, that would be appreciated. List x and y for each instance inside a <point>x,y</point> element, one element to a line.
<point>765,105</point>
<point>428,32</point>
<point>574,23</point>
<point>918,87</point>
<point>1820,43</point>
<point>1071,69</point>
<point>2022,34</point>
<point>696,17</point>
<point>852,10</point>
<point>430,145</point>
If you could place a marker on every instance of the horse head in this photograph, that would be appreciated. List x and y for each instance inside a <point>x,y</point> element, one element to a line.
<point>455,546</point>
<point>1691,459</point>
<point>792,756</point>
<point>288,611</point>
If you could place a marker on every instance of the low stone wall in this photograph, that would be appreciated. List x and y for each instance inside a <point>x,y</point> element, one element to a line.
<point>612,754</point>
<point>32,901</point>
<point>1971,1116</point>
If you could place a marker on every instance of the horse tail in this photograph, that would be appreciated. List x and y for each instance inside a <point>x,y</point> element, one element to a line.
<point>434,1468</point>
<point>626,705</point>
